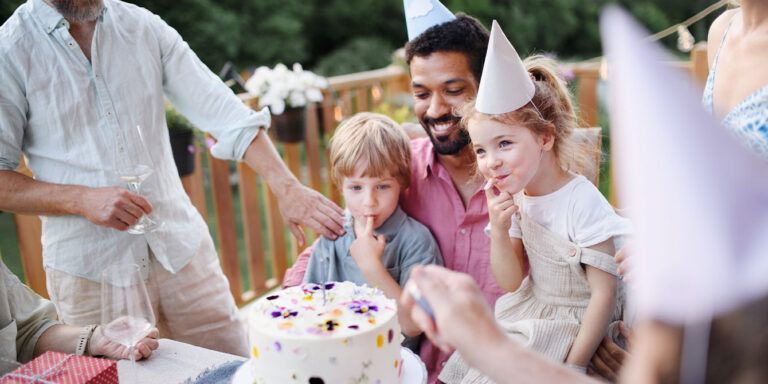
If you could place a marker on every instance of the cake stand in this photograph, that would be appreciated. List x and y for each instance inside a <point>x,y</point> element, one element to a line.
<point>414,371</point>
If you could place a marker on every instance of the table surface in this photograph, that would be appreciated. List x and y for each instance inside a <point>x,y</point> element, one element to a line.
<point>172,362</point>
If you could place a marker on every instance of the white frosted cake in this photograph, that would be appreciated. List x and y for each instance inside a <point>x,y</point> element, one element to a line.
<point>353,338</point>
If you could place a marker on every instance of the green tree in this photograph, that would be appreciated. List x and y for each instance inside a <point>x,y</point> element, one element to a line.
<point>210,29</point>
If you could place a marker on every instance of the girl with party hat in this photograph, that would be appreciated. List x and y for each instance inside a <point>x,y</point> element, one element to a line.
<point>521,126</point>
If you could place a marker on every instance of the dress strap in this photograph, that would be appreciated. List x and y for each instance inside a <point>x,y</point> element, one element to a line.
<point>722,39</point>
<point>599,260</point>
<point>534,233</point>
<point>710,85</point>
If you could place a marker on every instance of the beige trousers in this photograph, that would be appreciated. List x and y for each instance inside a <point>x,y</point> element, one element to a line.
<point>192,306</point>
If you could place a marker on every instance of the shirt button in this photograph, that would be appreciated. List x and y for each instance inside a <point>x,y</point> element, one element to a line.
<point>572,252</point>
<point>463,231</point>
<point>109,113</point>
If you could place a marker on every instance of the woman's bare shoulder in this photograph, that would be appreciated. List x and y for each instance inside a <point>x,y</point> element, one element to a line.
<point>716,31</point>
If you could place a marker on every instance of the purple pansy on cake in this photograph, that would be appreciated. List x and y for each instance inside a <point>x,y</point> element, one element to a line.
<point>363,306</point>
<point>284,313</point>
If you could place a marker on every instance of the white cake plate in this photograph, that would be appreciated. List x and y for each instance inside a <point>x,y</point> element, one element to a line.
<point>414,371</point>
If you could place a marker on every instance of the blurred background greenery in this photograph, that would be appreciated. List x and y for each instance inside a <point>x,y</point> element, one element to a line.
<point>335,37</point>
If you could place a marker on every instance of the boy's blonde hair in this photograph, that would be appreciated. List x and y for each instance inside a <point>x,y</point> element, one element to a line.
<point>553,99</point>
<point>374,142</point>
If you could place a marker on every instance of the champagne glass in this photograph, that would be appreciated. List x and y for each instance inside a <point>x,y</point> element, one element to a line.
<point>133,165</point>
<point>126,313</point>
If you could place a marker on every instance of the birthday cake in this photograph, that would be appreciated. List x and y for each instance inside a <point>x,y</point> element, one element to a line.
<point>343,334</point>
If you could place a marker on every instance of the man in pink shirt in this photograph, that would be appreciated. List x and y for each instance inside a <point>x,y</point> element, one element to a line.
<point>445,63</point>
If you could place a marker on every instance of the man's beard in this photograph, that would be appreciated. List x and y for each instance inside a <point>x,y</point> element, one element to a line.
<point>446,145</point>
<point>79,10</point>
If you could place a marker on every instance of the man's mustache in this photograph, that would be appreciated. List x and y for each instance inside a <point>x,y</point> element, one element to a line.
<point>447,118</point>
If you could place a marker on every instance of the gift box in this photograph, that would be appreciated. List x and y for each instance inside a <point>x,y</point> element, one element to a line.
<point>61,368</point>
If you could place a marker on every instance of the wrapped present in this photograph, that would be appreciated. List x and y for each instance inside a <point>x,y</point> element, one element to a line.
<point>61,368</point>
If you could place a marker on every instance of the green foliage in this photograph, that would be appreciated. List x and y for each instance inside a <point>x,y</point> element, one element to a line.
<point>398,112</point>
<point>339,36</point>
<point>176,121</point>
<point>210,29</point>
<point>359,54</point>
<point>7,7</point>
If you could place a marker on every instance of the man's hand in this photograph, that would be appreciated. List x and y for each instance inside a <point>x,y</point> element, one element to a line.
<point>303,206</point>
<point>368,249</point>
<point>113,207</point>
<point>609,357</point>
<point>501,207</point>
<point>100,345</point>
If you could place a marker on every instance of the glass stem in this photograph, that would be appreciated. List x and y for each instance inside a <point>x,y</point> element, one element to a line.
<point>135,372</point>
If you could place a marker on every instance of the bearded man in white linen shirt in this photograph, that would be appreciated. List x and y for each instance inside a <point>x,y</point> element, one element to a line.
<point>75,75</point>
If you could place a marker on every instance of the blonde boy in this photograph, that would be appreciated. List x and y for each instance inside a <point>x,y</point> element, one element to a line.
<point>370,162</point>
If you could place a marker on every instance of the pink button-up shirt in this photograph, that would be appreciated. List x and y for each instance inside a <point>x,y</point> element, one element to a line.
<point>433,200</point>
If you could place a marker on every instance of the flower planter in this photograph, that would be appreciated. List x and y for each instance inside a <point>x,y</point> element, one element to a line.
<point>290,126</point>
<point>182,146</point>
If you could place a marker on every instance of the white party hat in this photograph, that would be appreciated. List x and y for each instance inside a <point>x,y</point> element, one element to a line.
<point>421,15</point>
<point>505,85</point>
<point>697,196</point>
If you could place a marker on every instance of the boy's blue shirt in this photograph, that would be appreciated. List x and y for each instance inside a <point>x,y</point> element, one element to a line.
<point>409,243</point>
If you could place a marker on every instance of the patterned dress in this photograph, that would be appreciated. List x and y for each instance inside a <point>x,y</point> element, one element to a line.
<point>749,119</point>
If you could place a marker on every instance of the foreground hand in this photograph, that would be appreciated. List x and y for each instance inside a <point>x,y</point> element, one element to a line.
<point>609,358</point>
<point>463,319</point>
<point>100,345</point>
<point>501,207</point>
<point>368,249</point>
<point>113,207</point>
<point>303,206</point>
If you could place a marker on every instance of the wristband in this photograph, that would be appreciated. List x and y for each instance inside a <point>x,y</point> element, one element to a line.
<point>85,336</point>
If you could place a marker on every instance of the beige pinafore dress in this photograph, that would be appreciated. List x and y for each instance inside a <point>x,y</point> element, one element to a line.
<point>545,313</point>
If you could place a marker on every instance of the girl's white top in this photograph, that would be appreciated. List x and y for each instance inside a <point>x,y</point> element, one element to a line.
<point>577,212</point>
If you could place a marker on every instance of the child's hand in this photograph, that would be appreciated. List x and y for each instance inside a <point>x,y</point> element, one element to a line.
<point>367,249</point>
<point>501,207</point>
<point>623,259</point>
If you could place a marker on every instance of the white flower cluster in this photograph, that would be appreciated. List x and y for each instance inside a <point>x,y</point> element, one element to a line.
<point>280,86</point>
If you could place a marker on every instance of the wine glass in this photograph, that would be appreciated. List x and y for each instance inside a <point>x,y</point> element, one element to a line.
<point>133,165</point>
<point>126,313</point>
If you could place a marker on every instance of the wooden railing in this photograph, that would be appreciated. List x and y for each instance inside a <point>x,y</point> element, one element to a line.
<point>268,251</point>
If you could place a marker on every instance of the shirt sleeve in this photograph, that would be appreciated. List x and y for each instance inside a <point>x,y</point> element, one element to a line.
<point>204,99</point>
<point>315,272</point>
<point>295,274</point>
<point>13,117</point>
<point>593,219</point>
<point>32,314</point>
<point>420,249</point>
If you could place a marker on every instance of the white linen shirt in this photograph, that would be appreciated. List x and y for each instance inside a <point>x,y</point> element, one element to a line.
<point>65,113</point>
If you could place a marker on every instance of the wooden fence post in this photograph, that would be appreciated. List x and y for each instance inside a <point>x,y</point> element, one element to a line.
<point>699,62</point>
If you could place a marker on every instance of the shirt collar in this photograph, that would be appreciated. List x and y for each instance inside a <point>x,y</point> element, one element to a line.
<point>431,160</point>
<point>389,229</point>
<point>50,18</point>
